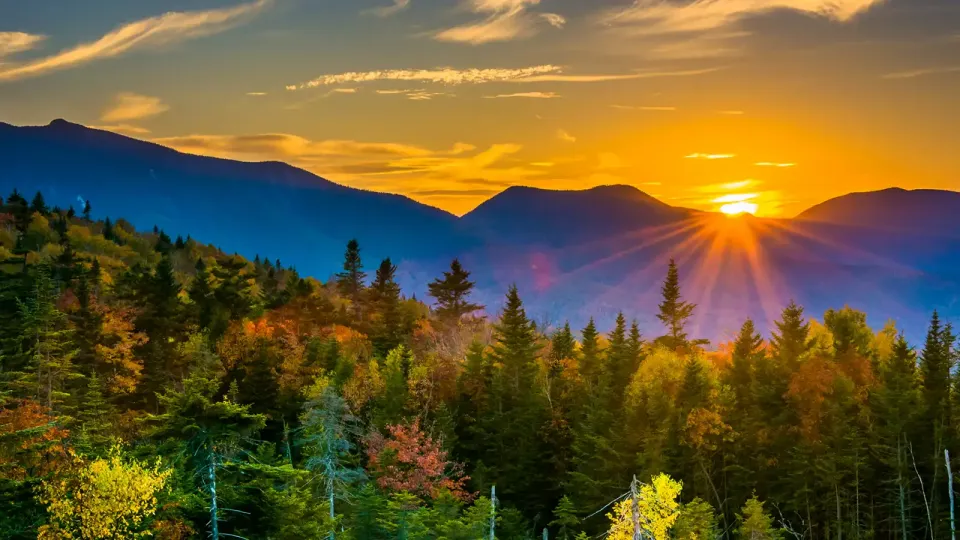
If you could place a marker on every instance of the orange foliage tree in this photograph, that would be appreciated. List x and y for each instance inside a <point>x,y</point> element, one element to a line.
<point>410,460</point>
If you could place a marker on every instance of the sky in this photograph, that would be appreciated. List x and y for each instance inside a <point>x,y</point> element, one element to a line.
<point>701,103</point>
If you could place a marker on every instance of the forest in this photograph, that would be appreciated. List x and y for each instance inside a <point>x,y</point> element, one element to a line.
<point>153,387</point>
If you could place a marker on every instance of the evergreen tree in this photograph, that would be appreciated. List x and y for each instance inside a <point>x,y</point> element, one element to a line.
<point>350,281</point>
<point>201,294</point>
<point>161,319</point>
<point>38,205</point>
<point>562,344</point>
<point>451,293</point>
<point>746,350</point>
<point>791,338</point>
<point>384,296</point>
<point>86,210</point>
<point>590,360</point>
<point>674,312</point>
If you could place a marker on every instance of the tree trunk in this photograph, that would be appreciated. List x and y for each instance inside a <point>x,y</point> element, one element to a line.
<point>212,487</point>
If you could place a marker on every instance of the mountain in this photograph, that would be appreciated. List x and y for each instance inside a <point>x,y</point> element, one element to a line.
<point>532,216</point>
<point>895,209</point>
<point>573,254</point>
<point>270,208</point>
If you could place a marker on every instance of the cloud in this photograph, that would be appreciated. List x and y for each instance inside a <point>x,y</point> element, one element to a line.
<point>772,164</point>
<point>446,75</point>
<point>505,20</point>
<point>129,106</point>
<point>727,186</point>
<point>451,76</point>
<point>534,95</point>
<point>642,108</point>
<point>386,11</point>
<point>709,28</point>
<point>166,29</point>
<point>651,17</point>
<point>124,129</point>
<point>559,77</point>
<point>426,96</point>
<point>566,137</point>
<point>731,113</point>
<point>15,42</point>
<point>456,192</point>
<point>256,94</point>
<point>710,156</point>
<point>556,21</point>
<point>735,197</point>
<point>284,146</point>
<point>922,72</point>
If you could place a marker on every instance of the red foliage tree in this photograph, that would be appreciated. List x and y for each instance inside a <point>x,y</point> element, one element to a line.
<point>410,460</point>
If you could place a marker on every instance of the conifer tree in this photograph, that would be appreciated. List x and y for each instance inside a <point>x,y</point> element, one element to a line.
<point>161,319</point>
<point>350,281</point>
<point>746,350</point>
<point>86,210</point>
<point>384,295</point>
<point>791,338</point>
<point>451,293</point>
<point>674,311</point>
<point>201,294</point>
<point>562,344</point>
<point>38,205</point>
<point>590,360</point>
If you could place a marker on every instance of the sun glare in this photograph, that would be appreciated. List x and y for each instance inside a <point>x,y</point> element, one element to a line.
<point>737,208</point>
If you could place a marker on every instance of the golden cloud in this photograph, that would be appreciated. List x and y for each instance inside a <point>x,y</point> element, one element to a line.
<point>505,20</point>
<point>15,42</point>
<point>534,95</point>
<point>172,27</point>
<point>386,11</point>
<point>128,106</point>
<point>922,72</point>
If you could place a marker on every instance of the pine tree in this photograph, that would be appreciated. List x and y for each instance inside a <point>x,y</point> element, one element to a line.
<point>350,281</point>
<point>451,293</point>
<point>562,344</point>
<point>791,338</point>
<point>384,295</point>
<point>38,205</point>
<point>674,312</point>
<point>161,319</point>
<point>46,345</point>
<point>746,350</point>
<point>565,519</point>
<point>201,294</point>
<point>212,431</point>
<point>86,210</point>
<point>590,361</point>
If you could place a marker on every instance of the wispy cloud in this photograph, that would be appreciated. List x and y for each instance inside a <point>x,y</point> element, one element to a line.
<point>452,76</point>
<point>643,108</point>
<point>166,29</point>
<point>426,96</point>
<point>731,113</point>
<point>560,77</point>
<point>15,42</point>
<point>256,94</point>
<point>773,164</point>
<point>710,156</point>
<point>647,17</point>
<point>727,187</point>
<point>128,106</point>
<point>922,72</point>
<point>566,137</point>
<point>386,11</point>
<point>709,28</point>
<point>534,95</point>
<point>505,20</point>
<point>124,129</point>
<point>448,76</point>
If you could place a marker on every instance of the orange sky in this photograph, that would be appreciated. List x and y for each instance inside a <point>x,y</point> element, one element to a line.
<point>696,102</point>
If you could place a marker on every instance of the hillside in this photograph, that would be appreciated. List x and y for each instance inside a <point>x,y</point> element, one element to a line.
<point>158,386</point>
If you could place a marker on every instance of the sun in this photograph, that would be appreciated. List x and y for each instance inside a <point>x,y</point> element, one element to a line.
<point>738,208</point>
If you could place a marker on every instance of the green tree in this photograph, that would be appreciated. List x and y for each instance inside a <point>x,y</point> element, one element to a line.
<point>38,205</point>
<point>384,294</point>
<point>754,523</point>
<point>452,292</point>
<point>350,281</point>
<point>565,519</point>
<point>674,311</point>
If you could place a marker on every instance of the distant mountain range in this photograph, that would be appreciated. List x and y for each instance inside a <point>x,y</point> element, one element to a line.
<point>574,254</point>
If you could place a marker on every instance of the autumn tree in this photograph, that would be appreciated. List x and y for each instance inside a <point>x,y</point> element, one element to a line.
<point>754,523</point>
<point>108,498</point>
<point>407,459</point>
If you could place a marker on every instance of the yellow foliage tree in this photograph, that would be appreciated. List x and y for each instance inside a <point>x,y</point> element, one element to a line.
<point>104,499</point>
<point>657,506</point>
